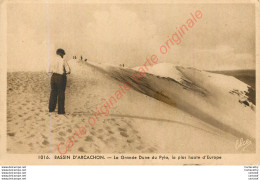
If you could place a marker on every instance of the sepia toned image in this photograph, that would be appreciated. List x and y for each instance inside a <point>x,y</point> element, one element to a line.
<point>133,79</point>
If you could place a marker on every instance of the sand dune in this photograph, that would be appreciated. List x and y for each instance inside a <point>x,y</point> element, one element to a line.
<point>207,96</point>
<point>32,130</point>
<point>161,114</point>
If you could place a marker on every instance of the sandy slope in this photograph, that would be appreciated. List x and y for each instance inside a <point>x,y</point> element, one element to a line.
<point>157,120</point>
<point>32,130</point>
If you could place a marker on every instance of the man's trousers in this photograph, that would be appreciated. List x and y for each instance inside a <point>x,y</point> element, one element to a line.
<point>58,86</point>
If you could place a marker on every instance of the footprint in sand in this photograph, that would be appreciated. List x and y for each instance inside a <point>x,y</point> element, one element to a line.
<point>62,133</point>
<point>122,129</point>
<point>151,150</point>
<point>107,128</point>
<point>11,134</point>
<point>61,139</point>
<point>44,137</point>
<point>89,139</point>
<point>130,140</point>
<point>101,138</point>
<point>81,149</point>
<point>77,126</point>
<point>140,147</point>
<point>111,139</point>
<point>69,130</point>
<point>112,119</point>
<point>122,133</point>
<point>93,133</point>
<point>110,132</point>
<point>45,142</point>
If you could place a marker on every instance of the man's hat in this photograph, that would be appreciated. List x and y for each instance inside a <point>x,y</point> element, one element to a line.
<point>60,51</point>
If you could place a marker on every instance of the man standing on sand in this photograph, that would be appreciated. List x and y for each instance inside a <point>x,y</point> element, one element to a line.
<point>59,69</point>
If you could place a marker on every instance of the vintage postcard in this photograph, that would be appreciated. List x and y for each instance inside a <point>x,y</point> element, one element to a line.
<point>139,83</point>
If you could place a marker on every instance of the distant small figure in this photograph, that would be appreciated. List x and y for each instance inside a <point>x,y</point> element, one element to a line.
<point>86,60</point>
<point>81,58</point>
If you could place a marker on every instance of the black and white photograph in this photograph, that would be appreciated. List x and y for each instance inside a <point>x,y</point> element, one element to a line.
<point>130,79</point>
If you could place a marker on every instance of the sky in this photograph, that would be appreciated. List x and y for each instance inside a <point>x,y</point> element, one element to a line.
<point>223,39</point>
